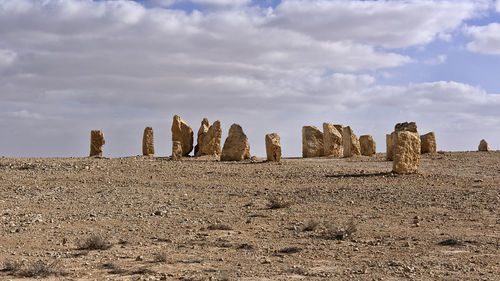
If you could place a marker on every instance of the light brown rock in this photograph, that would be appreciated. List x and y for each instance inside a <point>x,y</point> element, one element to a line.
<point>368,145</point>
<point>182,133</point>
<point>96,143</point>
<point>273,147</point>
<point>209,140</point>
<point>483,146</point>
<point>201,132</point>
<point>148,142</point>
<point>428,143</point>
<point>350,142</point>
<point>332,140</point>
<point>406,126</point>
<point>388,147</point>
<point>312,142</point>
<point>176,150</point>
<point>406,152</point>
<point>236,147</point>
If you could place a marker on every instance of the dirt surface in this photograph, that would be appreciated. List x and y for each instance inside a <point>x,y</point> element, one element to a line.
<point>199,219</point>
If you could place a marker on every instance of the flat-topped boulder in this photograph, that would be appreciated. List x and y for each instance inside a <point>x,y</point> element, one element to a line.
<point>406,152</point>
<point>404,126</point>
<point>236,147</point>
<point>350,142</point>
<point>273,147</point>
<point>182,133</point>
<point>312,142</point>
<point>368,145</point>
<point>96,143</point>
<point>332,140</point>
<point>483,146</point>
<point>148,142</point>
<point>428,143</point>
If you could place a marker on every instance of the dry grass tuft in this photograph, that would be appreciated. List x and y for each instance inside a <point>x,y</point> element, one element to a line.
<point>160,257</point>
<point>342,233</point>
<point>219,227</point>
<point>278,203</point>
<point>95,242</point>
<point>310,226</point>
<point>41,269</point>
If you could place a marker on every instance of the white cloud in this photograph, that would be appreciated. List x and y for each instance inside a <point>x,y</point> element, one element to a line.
<point>167,3</point>
<point>485,39</point>
<point>440,59</point>
<point>498,6</point>
<point>7,57</point>
<point>385,23</point>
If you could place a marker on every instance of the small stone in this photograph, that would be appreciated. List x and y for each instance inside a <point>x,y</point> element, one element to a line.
<point>139,258</point>
<point>483,146</point>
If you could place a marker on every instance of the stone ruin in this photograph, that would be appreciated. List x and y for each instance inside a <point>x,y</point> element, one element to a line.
<point>176,150</point>
<point>428,143</point>
<point>148,142</point>
<point>96,143</point>
<point>483,146</point>
<point>209,138</point>
<point>368,145</point>
<point>236,147</point>
<point>404,148</point>
<point>332,140</point>
<point>273,147</point>
<point>182,133</point>
<point>312,142</point>
<point>350,142</point>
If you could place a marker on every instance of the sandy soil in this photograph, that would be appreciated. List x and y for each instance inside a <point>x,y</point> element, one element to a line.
<point>199,219</point>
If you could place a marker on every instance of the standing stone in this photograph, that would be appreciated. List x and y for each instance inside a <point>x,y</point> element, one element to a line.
<point>368,145</point>
<point>405,126</point>
<point>201,132</point>
<point>428,143</point>
<point>148,142</point>
<point>312,142</point>
<point>332,140</point>
<point>209,140</point>
<point>96,143</point>
<point>406,152</point>
<point>236,147</point>
<point>182,133</point>
<point>273,147</point>
<point>350,142</point>
<point>483,146</point>
<point>176,150</point>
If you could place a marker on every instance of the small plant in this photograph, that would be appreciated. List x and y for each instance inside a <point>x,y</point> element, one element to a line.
<point>219,227</point>
<point>95,243</point>
<point>11,266</point>
<point>143,270</point>
<point>41,269</point>
<point>290,250</point>
<point>278,203</point>
<point>310,226</point>
<point>114,269</point>
<point>160,257</point>
<point>333,232</point>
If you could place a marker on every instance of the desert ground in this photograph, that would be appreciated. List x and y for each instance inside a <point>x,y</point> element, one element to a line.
<point>144,218</point>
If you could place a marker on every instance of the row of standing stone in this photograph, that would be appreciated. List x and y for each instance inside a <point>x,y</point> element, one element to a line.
<point>236,147</point>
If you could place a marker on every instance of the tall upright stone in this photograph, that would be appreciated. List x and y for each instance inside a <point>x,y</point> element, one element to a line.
<point>483,146</point>
<point>404,126</point>
<point>368,145</point>
<point>176,150</point>
<point>236,147</point>
<point>428,143</point>
<point>312,142</point>
<point>406,152</point>
<point>350,142</point>
<point>209,139</point>
<point>332,140</point>
<point>182,133</point>
<point>96,143</point>
<point>201,132</point>
<point>388,147</point>
<point>148,142</point>
<point>273,147</point>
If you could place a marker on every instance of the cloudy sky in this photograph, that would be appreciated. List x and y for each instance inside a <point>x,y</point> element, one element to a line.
<point>70,66</point>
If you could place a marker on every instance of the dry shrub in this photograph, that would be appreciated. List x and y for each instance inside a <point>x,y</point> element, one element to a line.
<point>160,257</point>
<point>310,226</point>
<point>114,269</point>
<point>41,268</point>
<point>342,233</point>
<point>95,242</point>
<point>219,227</point>
<point>11,266</point>
<point>278,203</point>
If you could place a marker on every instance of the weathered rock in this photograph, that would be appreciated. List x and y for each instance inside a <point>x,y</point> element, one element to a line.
<point>406,126</point>
<point>388,147</point>
<point>406,152</point>
<point>368,145</point>
<point>273,147</point>
<point>176,150</point>
<point>483,146</point>
<point>428,143</point>
<point>312,142</point>
<point>209,140</point>
<point>148,142</point>
<point>96,143</point>
<point>182,133</point>
<point>350,143</point>
<point>201,132</point>
<point>332,140</point>
<point>236,147</point>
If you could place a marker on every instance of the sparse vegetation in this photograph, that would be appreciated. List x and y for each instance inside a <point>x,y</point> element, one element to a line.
<point>289,250</point>
<point>160,257</point>
<point>278,203</point>
<point>217,226</point>
<point>310,226</point>
<point>11,266</point>
<point>340,233</point>
<point>40,268</point>
<point>114,269</point>
<point>95,242</point>
<point>143,270</point>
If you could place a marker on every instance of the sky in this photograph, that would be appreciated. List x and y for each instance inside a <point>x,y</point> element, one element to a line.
<point>70,66</point>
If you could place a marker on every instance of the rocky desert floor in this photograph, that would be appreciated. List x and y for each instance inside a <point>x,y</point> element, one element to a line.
<point>142,218</point>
